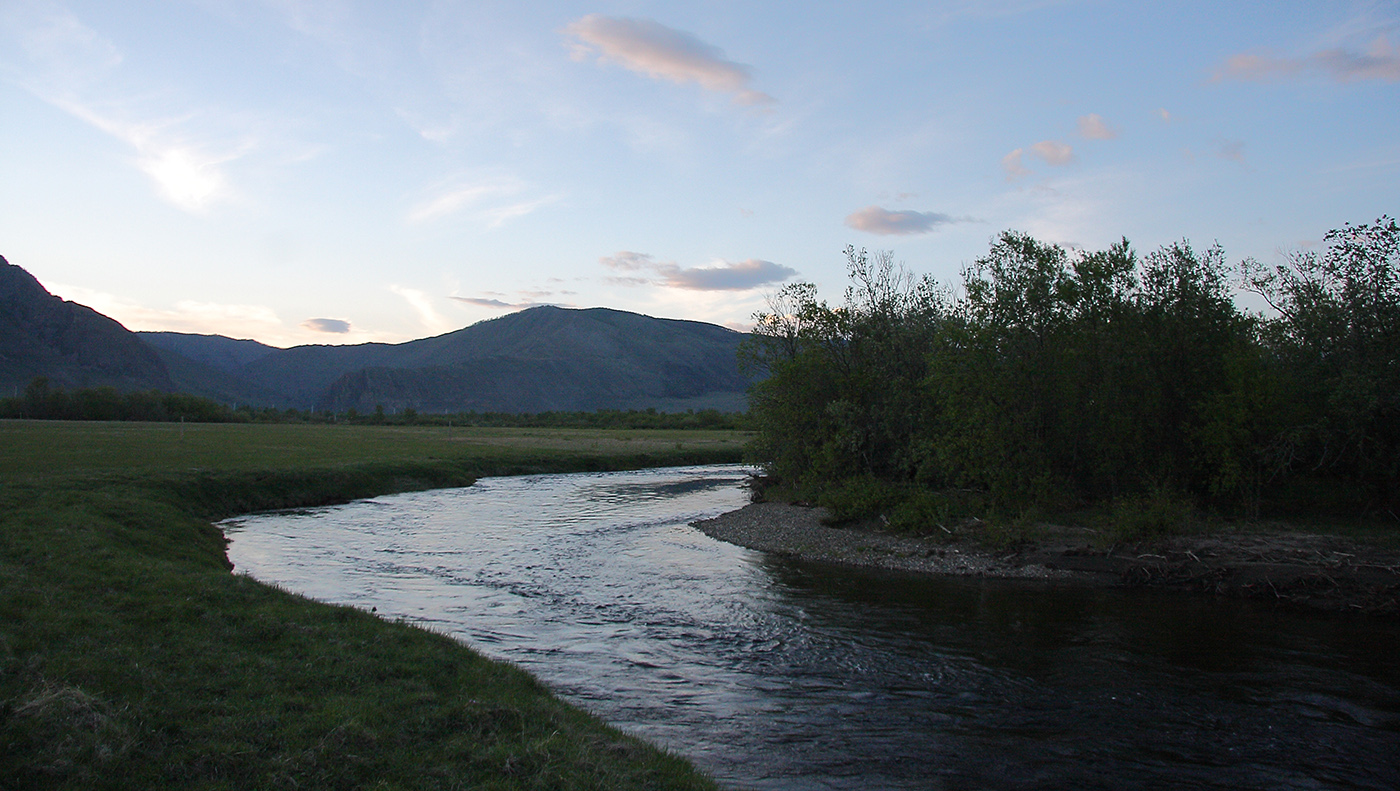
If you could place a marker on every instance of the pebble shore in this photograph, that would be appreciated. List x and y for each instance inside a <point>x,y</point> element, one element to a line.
<point>1290,568</point>
<point>797,531</point>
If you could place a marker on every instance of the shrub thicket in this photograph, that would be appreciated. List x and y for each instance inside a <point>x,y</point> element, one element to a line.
<point>1058,379</point>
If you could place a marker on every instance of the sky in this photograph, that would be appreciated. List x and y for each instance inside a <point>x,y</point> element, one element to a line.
<point>335,171</point>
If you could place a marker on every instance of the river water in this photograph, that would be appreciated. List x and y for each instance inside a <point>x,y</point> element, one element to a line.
<point>775,674</point>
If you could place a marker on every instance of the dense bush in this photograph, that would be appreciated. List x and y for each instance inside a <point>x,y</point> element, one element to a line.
<point>42,402</point>
<point>1059,378</point>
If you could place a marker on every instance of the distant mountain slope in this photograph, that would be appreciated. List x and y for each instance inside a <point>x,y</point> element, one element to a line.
<point>226,387</point>
<point>545,358</point>
<point>226,354</point>
<point>536,360</point>
<point>212,366</point>
<point>71,344</point>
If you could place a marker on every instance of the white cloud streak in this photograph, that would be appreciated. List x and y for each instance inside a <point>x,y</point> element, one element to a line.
<point>422,305</point>
<point>492,200</point>
<point>650,48</point>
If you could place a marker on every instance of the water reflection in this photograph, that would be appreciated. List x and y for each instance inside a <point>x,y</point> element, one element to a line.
<point>772,674</point>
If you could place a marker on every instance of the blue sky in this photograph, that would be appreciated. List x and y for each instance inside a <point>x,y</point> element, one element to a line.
<point>338,172</point>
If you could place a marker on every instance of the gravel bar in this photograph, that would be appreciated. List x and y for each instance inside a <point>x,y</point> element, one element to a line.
<point>797,531</point>
<point>1320,572</point>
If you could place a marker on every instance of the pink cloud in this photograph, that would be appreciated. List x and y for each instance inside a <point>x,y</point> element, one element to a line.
<point>874,219</point>
<point>1380,61</point>
<point>648,47</point>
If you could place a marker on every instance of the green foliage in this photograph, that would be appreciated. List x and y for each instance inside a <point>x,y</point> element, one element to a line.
<point>42,402</point>
<point>862,497</point>
<point>1336,345</point>
<point>1062,379</point>
<point>1157,512</point>
<point>842,393</point>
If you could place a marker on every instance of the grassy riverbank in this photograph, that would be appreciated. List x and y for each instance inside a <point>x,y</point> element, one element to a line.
<point>131,658</point>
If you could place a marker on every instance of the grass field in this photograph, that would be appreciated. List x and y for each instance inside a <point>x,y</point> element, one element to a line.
<point>30,448</point>
<point>131,658</point>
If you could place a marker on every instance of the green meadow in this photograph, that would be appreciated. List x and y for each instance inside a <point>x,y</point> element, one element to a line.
<point>130,656</point>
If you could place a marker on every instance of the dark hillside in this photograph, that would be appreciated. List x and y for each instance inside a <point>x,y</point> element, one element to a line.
<point>541,359</point>
<point>303,373</point>
<point>226,354</point>
<point>224,386</point>
<point>71,344</point>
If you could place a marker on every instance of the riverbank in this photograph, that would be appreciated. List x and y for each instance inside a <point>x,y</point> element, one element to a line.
<point>1295,569</point>
<point>130,657</point>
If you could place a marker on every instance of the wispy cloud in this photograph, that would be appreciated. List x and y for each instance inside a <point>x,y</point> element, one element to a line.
<point>74,68</point>
<point>649,47</point>
<point>723,276</point>
<point>1379,61</point>
<point>1232,150</point>
<point>422,305</point>
<point>500,304</point>
<point>1013,165</point>
<point>333,326</point>
<point>238,321</point>
<point>1053,152</point>
<point>495,200</point>
<point>874,219</point>
<point>628,261</point>
<point>1093,127</point>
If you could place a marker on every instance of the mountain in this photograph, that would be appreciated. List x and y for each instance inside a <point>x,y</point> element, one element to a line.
<point>212,366</point>
<point>71,344</point>
<point>545,358</point>
<point>542,359</point>
<point>226,354</point>
<point>549,358</point>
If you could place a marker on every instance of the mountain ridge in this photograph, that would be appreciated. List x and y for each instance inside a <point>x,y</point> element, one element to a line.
<point>70,344</point>
<point>541,359</point>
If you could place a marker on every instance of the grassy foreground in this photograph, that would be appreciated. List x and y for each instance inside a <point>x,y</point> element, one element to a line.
<point>131,658</point>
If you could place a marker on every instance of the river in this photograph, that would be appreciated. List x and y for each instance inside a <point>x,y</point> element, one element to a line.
<point>774,674</point>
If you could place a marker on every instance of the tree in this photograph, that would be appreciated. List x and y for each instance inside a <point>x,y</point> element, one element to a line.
<point>842,394</point>
<point>1337,339</point>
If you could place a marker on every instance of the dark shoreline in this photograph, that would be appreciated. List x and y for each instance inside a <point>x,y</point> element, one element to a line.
<point>1299,570</point>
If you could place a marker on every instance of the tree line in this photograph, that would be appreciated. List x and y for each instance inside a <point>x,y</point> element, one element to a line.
<point>1055,379</point>
<point>43,401</point>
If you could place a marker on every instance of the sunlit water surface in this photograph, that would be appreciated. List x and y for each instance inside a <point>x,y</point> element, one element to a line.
<point>770,673</point>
